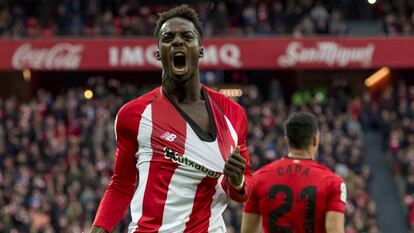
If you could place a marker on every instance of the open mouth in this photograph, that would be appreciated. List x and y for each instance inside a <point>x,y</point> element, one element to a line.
<point>179,61</point>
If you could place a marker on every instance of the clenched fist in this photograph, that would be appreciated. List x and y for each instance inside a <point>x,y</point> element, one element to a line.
<point>234,168</point>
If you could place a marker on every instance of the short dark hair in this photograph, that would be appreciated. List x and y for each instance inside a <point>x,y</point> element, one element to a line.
<point>182,11</point>
<point>299,129</point>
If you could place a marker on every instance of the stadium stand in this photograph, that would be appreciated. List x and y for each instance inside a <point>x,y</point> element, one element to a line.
<point>398,131</point>
<point>252,18</point>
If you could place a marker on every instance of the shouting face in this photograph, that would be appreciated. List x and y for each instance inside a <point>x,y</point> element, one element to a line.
<point>179,49</point>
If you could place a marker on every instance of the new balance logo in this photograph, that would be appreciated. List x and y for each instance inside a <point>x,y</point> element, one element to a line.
<point>169,136</point>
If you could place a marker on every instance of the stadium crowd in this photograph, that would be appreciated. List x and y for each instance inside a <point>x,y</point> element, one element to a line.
<point>398,17</point>
<point>398,130</point>
<point>33,19</point>
<point>56,152</point>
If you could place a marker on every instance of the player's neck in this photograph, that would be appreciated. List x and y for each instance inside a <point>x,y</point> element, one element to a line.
<point>300,154</point>
<point>189,91</point>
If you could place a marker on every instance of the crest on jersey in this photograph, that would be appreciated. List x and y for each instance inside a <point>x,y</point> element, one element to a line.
<point>168,136</point>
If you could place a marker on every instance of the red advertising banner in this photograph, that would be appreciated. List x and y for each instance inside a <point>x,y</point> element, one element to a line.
<point>223,53</point>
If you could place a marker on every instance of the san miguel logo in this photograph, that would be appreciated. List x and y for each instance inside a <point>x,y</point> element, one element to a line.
<point>326,52</point>
<point>60,56</point>
<point>183,160</point>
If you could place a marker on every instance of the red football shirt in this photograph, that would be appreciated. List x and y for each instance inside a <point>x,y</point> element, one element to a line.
<point>177,167</point>
<point>293,195</point>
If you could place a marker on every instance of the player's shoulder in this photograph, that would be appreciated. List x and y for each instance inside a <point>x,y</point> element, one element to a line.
<point>138,105</point>
<point>327,173</point>
<point>322,168</point>
<point>226,104</point>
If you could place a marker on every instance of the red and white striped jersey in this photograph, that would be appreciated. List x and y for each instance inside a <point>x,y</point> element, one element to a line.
<point>179,167</point>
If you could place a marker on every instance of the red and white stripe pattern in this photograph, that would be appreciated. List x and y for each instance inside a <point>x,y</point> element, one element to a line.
<point>170,196</point>
<point>188,200</point>
<point>144,155</point>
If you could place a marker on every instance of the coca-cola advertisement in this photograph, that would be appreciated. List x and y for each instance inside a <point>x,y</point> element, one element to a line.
<point>61,56</point>
<point>224,53</point>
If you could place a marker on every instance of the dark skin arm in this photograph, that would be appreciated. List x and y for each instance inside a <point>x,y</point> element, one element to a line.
<point>234,168</point>
<point>96,229</point>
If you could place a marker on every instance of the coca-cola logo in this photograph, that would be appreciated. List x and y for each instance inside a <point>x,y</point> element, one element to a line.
<point>61,56</point>
<point>329,53</point>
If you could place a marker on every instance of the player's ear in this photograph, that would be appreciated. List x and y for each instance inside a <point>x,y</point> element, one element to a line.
<point>201,52</point>
<point>158,55</point>
<point>315,139</point>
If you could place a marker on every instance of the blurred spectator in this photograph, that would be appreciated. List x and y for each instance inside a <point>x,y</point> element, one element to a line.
<point>337,26</point>
<point>219,19</point>
<point>277,18</point>
<point>320,17</point>
<point>397,17</point>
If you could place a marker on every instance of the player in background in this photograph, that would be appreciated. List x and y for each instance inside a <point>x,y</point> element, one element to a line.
<point>184,144</point>
<point>296,194</point>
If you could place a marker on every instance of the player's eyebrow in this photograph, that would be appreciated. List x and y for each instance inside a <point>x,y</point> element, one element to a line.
<point>188,31</point>
<point>166,33</point>
<point>181,32</point>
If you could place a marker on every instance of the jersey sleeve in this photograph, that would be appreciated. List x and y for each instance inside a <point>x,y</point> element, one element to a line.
<point>336,195</point>
<point>252,203</point>
<point>121,188</point>
<point>234,194</point>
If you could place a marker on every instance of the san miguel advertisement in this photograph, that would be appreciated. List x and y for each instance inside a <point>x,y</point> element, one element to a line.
<point>224,53</point>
